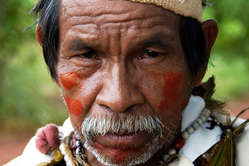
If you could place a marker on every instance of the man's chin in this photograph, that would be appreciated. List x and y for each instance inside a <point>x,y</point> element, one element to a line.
<point>123,152</point>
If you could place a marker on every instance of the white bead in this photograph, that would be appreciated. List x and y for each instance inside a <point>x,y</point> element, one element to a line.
<point>207,114</point>
<point>208,111</point>
<point>190,130</point>
<point>196,125</point>
<point>185,135</point>
<point>200,121</point>
<point>203,118</point>
<point>172,151</point>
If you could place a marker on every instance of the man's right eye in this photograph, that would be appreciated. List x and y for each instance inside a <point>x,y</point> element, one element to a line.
<point>87,55</point>
<point>149,54</point>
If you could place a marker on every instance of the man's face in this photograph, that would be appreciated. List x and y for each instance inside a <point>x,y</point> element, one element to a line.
<point>119,60</point>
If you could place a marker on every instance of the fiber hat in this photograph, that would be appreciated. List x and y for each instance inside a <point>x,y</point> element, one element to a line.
<point>187,8</point>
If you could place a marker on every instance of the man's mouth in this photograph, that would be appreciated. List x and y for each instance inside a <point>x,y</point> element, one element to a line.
<point>129,139</point>
<point>123,141</point>
<point>121,145</point>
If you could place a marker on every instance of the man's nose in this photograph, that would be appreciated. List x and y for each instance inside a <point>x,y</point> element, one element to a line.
<point>119,92</point>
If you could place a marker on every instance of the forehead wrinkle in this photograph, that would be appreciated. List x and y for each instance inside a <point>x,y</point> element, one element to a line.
<point>93,30</point>
<point>89,11</point>
<point>112,19</point>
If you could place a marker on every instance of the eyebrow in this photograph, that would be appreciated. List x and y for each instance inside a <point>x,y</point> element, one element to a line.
<point>154,41</point>
<point>77,45</point>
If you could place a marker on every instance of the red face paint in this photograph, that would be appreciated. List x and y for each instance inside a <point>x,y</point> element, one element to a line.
<point>69,80</point>
<point>171,91</point>
<point>74,106</point>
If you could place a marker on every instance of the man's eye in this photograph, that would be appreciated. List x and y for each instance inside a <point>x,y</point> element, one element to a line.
<point>149,54</point>
<point>88,55</point>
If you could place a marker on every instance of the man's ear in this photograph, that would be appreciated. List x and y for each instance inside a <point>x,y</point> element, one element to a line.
<point>210,30</point>
<point>39,35</point>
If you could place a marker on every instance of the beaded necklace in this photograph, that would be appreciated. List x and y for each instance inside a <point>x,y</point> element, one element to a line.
<point>171,155</point>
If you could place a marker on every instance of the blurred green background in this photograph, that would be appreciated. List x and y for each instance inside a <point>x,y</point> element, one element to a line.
<point>29,98</point>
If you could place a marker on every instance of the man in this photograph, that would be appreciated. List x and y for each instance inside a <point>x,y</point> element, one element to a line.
<point>128,72</point>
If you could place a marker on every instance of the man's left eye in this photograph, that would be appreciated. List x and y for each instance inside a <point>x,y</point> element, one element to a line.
<point>88,55</point>
<point>149,54</point>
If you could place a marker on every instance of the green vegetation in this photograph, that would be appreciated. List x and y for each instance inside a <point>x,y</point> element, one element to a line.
<point>29,98</point>
<point>230,57</point>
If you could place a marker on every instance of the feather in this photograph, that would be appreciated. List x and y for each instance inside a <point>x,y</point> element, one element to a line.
<point>225,150</point>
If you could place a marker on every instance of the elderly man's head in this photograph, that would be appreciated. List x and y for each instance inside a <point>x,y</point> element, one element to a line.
<point>126,71</point>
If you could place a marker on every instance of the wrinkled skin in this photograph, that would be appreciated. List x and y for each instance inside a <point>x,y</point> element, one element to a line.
<point>119,57</point>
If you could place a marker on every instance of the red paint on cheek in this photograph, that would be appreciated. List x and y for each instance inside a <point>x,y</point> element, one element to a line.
<point>69,80</point>
<point>75,107</point>
<point>172,90</point>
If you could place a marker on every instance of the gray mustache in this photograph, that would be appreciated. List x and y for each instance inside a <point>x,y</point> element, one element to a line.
<point>130,124</point>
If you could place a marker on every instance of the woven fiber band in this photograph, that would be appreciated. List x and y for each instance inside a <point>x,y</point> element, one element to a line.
<point>187,8</point>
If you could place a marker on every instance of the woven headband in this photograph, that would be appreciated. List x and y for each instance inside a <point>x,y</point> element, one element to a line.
<point>187,8</point>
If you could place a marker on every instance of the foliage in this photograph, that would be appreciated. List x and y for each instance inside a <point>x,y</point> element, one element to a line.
<point>230,58</point>
<point>231,77</point>
<point>232,18</point>
<point>28,95</point>
<point>14,18</point>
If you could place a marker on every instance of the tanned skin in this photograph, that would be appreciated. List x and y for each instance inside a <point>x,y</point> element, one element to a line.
<point>120,57</point>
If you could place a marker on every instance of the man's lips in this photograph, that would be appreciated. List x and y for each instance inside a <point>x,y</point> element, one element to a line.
<point>123,141</point>
<point>121,146</point>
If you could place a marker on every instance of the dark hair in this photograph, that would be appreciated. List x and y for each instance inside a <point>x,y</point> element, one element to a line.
<point>48,12</point>
<point>191,34</point>
<point>193,43</point>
